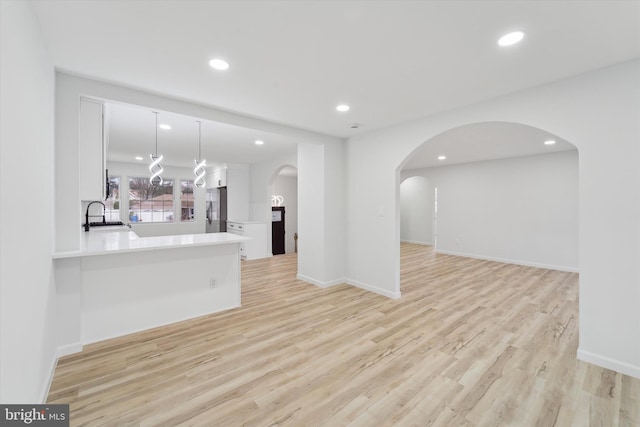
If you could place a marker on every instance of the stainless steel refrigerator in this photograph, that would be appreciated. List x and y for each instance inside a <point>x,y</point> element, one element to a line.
<point>216,210</point>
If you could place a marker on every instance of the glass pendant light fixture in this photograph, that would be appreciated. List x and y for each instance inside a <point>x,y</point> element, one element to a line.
<point>200,162</point>
<point>155,167</point>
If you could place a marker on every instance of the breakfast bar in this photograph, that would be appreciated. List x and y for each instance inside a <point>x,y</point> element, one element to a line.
<point>118,283</point>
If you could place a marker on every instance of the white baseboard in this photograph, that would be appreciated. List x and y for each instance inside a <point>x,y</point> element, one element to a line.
<point>606,362</point>
<point>60,352</point>
<point>47,385</point>
<point>510,261</point>
<point>375,289</point>
<point>319,283</point>
<point>159,325</point>
<point>415,242</point>
<point>355,283</point>
<point>68,349</point>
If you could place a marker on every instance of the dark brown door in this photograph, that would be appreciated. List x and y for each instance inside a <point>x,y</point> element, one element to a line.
<point>277,230</point>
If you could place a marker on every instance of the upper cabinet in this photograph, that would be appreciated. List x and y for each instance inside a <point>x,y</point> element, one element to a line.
<point>92,149</point>
<point>217,178</point>
<point>236,177</point>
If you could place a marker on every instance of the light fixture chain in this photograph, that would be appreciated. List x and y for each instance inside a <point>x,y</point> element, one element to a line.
<point>199,140</point>
<point>156,113</point>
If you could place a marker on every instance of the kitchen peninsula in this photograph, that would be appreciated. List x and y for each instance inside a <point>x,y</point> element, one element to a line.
<point>118,283</point>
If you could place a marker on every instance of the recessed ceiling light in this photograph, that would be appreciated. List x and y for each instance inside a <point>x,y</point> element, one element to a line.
<point>511,38</point>
<point>442,157</point>
<point>549,142</point>
<point>342,108</point>
<point>138,158</point>
<point>219,64</point>
<point>164,126</point>
<point>259,142</point>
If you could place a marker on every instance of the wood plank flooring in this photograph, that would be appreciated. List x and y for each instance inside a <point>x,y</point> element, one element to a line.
<point>470,343</point>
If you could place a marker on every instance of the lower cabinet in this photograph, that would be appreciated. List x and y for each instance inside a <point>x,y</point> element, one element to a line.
<point>255,248</point>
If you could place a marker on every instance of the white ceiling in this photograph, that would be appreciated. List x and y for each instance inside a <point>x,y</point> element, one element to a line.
<point>132,133</point>
<point>293,62</point>
<point>485,141</point>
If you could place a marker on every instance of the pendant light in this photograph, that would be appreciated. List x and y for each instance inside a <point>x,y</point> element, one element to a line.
<point>155,167</point>
<point>200,162</point>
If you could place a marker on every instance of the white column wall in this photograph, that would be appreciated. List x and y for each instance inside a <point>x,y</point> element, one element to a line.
<point>27,287</point>
<point>321,211</point>
<point>599,112</point>
<point>334,212</point>
<point>311,205</point>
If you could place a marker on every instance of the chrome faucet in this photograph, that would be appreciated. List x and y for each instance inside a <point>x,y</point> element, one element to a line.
<point>86,215</point>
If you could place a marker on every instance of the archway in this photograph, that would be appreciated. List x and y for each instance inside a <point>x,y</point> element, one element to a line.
<point>503,194</point>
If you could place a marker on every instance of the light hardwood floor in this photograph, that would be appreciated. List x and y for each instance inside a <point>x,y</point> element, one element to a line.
<point>470,343</point>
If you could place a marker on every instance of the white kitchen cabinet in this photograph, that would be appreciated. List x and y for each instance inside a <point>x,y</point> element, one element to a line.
<point>255,248</point>
<point>217,178</point>
<point>91,150</point>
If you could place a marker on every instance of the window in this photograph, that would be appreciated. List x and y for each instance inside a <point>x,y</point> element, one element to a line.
<point>186,200</point>
<point>112,211</point>
<point>150,203</point>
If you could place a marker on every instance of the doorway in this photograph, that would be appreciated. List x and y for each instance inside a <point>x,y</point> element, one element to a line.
<point>278,230</point>
<point>503,194</point>
<point>284,194</point>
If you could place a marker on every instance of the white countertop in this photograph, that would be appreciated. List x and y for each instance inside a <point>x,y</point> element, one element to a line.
<point>247,222</point>
<point>109,240</point>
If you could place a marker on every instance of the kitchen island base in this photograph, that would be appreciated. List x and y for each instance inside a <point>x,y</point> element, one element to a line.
<point>118,293</point>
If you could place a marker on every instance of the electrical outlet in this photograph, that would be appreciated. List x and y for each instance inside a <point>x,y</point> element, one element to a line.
<point>212,283</point>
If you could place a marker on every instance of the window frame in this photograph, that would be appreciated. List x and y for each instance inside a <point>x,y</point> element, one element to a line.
<point>167,210</point>
<point>192,212</point>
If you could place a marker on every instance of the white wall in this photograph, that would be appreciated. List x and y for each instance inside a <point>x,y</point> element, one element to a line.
<point>598,112</point>
<point>287,187</point>
<point>127,170</point>
<point>261,176</point>
<point>27,288</point>
<point>416,210</point>
<point>321,208</point>
<point>521,210</point>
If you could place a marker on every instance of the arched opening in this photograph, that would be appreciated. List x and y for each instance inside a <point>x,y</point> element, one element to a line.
<point>283,193</point>
<point>505,193</point>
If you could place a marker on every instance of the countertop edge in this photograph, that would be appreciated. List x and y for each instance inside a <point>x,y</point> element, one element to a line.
<point>237,239</point>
